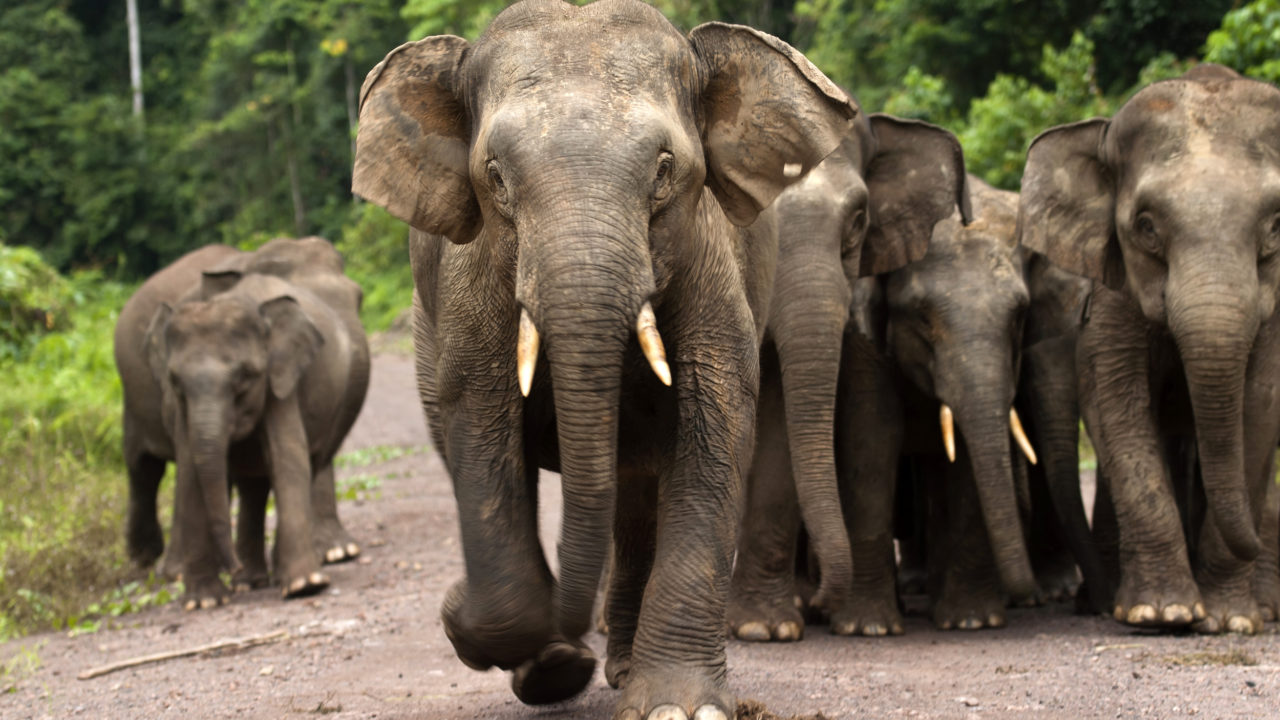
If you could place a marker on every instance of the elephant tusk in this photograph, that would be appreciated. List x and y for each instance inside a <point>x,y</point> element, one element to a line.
<point>948,431</point>
<point>651,344</point>
<point>526,352</point>
<point>1015,426</point>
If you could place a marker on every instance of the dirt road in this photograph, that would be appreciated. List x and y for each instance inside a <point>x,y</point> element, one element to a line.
<point>373,647</point>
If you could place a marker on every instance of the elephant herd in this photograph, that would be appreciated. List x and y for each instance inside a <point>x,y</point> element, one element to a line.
<point>790,360</point>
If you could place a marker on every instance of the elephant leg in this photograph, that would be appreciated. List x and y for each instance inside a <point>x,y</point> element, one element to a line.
<point>1266,569</point>
<point>142,532</point>
<point>1106,542</point>
<point>869,441</point>
<point>251,534</point>
<point>634,533</point>
<point>200,562</point>
<point>762,603</point>
<point>296,566</point>
<point>971,597</point>
<point>1156,587</point>
<point>678,656</point>
<point>1055,567</point>
<point>1227,582</point>
<point>332,541</point>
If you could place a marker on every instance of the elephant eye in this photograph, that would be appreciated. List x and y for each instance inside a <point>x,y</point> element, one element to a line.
<point>662,176</point>
<point>497,184</point>
<point>1271,241</point>
<point>1146,235</point>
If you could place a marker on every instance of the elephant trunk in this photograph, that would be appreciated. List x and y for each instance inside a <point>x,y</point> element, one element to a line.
<point>583,288</point>
<point>811,311</point>
<point>982,416</point>
<point>1214,340</point>
<point>210,441</point>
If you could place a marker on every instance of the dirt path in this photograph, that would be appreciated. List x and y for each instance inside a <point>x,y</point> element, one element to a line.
<point>372,646</point>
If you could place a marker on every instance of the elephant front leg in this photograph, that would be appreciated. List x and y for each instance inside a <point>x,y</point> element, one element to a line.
<point>971,597</point>
<point>143,535</point>
<point>678,656</point>
<point>634,541</point>
<point>1155,585</point>
<point>199,564</point>
<point>1266,569</point>
<point>296,566</point>
<point>869,442</point>
<point>332,541</point>
<point>762,605</point>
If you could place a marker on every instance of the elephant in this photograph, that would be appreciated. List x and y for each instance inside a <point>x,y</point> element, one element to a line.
<point>243,379</point>
<point>1172,208</point>
<point>577,179</point>
<point>936,343</point>
<point>868,209</point>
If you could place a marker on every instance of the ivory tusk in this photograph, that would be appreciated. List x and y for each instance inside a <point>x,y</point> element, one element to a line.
<point>1015,426</point>
<point>651,344</point>
<point>948,431</point>
<point>526,352</point>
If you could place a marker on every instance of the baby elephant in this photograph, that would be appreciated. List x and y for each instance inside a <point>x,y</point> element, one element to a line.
<point>246,378</point>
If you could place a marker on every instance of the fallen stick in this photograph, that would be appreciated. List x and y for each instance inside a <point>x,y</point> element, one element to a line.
<point>236,643</point>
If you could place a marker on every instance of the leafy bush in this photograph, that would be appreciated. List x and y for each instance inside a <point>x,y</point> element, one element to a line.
<point>1249,40</point>
<point>376,248</point>
<point>33,300</point>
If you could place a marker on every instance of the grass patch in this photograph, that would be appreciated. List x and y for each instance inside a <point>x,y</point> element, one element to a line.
<point>1200,659</point>
<point>359,487</point>
<point>22,665</point>
<point>365,457</point>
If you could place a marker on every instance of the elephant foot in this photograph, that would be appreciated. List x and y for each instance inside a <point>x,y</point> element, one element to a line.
<point>1229,611</point>
<point>871,613</point>
<point>305,585</point>
<point>145,542</point>
<point>1056,581</point>
<point>560,671</point>
<point>1171,602</point>
<point>616,670</point>
<point>247,579</point>
<point>1266,592</point>
<point>204,593</point>
<point>681,693</point>
<point>333,543</point>
<point>759,618</point>
<point>506,639</point>
<point>912,580</point>
<point>969,606</point>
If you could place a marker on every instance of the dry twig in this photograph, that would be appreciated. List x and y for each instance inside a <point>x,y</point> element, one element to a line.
<point>231,643</point>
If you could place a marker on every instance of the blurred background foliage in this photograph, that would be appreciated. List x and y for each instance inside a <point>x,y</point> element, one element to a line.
<point>248,132</point>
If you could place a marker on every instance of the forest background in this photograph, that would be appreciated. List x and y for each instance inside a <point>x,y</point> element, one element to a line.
<point>246,132</point>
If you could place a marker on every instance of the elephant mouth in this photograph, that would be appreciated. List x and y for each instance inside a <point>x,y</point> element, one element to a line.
<point>528,341</point>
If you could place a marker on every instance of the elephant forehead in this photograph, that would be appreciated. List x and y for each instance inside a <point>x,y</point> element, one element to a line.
<point>1170,121</point>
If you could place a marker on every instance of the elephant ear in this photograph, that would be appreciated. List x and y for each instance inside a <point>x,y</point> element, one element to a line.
<point>769,116</point>
<point>154,346</point>
<point>1067,210</point>
<point>214,282</point>
<point>293,342</point>
<point>414,139</point>
<point>915,178</point>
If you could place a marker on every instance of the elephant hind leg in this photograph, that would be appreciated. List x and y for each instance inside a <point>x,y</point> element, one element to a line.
<point>332,541</point>
<point>251,534</point>
<point>634,533</point>
<point>143,534</point>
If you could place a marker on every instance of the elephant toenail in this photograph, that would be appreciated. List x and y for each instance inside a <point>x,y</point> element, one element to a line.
<point>1177,615</point>
<point>1240,624</point>
<point>844,628</point>
<point>353,550</point>
<point>710,712</point>
<point>628,714</point>
<point>752,632</point>
<point>318,579</point>
<point>208,603</point>
<point>944,625</point>
<point>1119,613</point>
<point>970,624</point>
<point>668,712</point>
<point>873,630</point>
<point>1141,614</point>
<point>788,632</point>
<point>995,620</point>
<point>190,605</point>
<point>333,555</point>
<point>1198,611</point>
<point>896,629</point>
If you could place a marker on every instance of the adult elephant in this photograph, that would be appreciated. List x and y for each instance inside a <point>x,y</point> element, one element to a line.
<point>573,180</point>
<point>1173,207</point>
<point>938,340</point>
<point>868,209</point>
<point>246,380</point>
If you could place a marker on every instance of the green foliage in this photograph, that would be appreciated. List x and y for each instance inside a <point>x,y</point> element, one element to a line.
<point>1249,40</point>
<point>466,18</point>
<point>33,300</point>
<point>374,455</point>
<point>375,247</point>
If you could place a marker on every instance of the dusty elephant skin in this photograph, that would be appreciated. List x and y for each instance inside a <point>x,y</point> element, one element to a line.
<point>868,209</point>
<point>571,179</point>
<point>931,373</point>
<point>1173,207</point>
<point>245,380</point>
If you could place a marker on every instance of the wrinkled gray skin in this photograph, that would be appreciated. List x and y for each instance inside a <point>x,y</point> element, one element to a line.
<point>1173,207</point>
<point>578,162</point>
<point>250,382</point>
<point>944,329</point>
<point>1059,534</point>
<point>869,208</point>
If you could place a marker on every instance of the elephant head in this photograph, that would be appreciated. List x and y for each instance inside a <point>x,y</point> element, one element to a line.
<point>1176,201</point>
<point>219,358</point>
<point>867,209</point>
<point>954,327</point>
<point>583,159</point>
